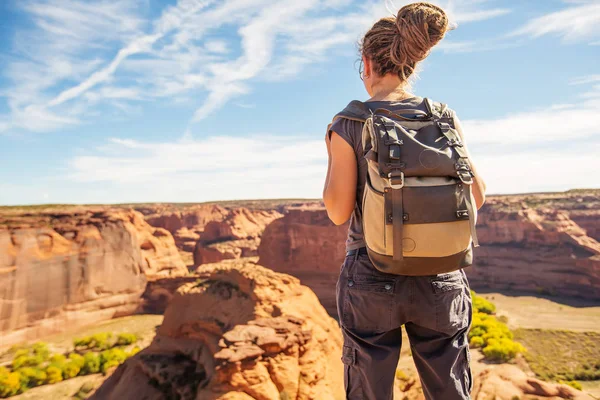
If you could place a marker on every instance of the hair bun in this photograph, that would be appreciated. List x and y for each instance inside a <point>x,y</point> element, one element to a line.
<point>420,27</point>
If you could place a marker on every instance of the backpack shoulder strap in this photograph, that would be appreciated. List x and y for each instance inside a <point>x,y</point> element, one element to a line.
<point>355,111</point>
<point>436,110</point>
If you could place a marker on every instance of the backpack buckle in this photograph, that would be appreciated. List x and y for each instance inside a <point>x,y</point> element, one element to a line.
<point>393,178</point>
<point>465,176</point>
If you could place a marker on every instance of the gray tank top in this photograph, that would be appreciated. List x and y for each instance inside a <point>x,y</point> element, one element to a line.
<point>351,132</point>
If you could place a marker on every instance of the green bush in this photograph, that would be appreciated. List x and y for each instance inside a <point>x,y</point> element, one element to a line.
<point>109,364</point>
<point>491,334</point>
<point>32,377</point>
<point>10,384</point>
<point>77,359</point>
<point>91,364</point>
<point>53,374</point>
<point>133,351</point>
<point>125,339</point>
<point>476,341</point>
<point>26,361</point>
<point>116,354</point>
<point>57,359</point>
<point>41,349</point>
<point>502,350</point>
<point>482,305</point>
<point>70,370</point>
<point>98,341</point>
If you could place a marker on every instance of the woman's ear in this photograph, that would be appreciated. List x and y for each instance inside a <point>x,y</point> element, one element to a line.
<point>367,66</point>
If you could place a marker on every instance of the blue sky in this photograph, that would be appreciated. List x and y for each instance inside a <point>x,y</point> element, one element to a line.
<point>191,101</point>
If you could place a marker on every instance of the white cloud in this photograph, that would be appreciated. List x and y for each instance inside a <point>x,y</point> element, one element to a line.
<point>548,125</point>
<point>81,55</point>
<point>213,168</point>
<point>552,148</point>
<point>548,149</point>
<point>578,22</point>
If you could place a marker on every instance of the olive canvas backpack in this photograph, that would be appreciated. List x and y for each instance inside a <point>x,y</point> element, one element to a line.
<point>418,212</point>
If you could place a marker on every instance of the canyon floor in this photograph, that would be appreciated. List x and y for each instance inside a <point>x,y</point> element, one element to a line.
<point>522,312</point>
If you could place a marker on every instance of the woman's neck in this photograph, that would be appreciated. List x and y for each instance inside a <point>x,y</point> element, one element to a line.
<point>389,88</point>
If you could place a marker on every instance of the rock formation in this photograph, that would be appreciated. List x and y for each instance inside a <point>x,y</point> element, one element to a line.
<point>209,233</point>
<point>306,244</point>
<point>502,382</point>
<point>64,269</point>
<point>528,242</point>
<point>238,235</point>
<point>537,250</point>
<point>240,332</point>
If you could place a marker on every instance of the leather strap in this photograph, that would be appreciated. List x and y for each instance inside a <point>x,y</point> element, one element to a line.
<point>471,211</point>
<point>388,206</point>
<point>398,223</point>
<point>388,113</point>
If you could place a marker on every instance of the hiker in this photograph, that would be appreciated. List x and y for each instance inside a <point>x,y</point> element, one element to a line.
<point>400,171</point>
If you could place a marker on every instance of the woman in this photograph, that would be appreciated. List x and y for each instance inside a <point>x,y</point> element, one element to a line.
<point>435,309</point>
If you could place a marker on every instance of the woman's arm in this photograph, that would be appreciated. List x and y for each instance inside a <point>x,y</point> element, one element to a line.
<point>339,193</point>
<point>478,183</point>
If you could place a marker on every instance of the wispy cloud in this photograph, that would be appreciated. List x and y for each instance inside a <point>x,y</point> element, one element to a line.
<point>579,21</point>
<point>83,55</point>
<point>550,146</point>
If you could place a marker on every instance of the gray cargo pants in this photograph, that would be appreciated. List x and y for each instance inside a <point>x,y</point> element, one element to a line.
<point>436,312</point>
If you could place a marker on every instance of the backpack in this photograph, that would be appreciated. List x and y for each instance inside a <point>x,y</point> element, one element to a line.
<point>418,212</point>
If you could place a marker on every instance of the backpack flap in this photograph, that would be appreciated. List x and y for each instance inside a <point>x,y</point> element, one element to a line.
<point>418,214</point>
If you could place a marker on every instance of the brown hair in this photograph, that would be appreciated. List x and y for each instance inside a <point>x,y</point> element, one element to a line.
<point>396,45</point>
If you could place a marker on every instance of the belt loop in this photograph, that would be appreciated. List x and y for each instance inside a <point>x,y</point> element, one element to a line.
<point>356,254</point>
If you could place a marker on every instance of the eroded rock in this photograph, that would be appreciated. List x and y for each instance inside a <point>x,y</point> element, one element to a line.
<point>241,331</point>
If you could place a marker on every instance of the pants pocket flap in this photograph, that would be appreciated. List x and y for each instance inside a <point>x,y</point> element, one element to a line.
<point>348,355</point>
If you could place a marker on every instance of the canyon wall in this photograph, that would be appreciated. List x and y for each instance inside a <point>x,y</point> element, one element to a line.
<point>209,233</point>
<point>528,243</point>
<point>69,268</point>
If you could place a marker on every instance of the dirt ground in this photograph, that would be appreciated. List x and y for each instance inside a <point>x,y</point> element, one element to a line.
<point>526,311</point>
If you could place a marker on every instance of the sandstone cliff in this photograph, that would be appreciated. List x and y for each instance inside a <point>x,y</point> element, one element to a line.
<point>305,244</point>
<point>528,242</point>
<point>209,233</point>
<point>64,269</point>
<point>240,332</point>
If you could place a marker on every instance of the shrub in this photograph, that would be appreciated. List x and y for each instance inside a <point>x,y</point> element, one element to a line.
<point>41,349</point>
<point>32,377</point>
<point>91,364</point>
<point>77,359</point>
<point>125,339</point>
<point>491,334</point>
<point>502,349</point>
<point>118,355</point>
<point>21,353</point>
<point>53,374</point>
<point>482,305</point>
<point>476,341</point>
<point>26,361</point>
<point>133,352</point>
<point>98,341</point>
<point>108,365</point>
<point>58,360</point>
<point>10,384</point>
<point>70,370</point>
